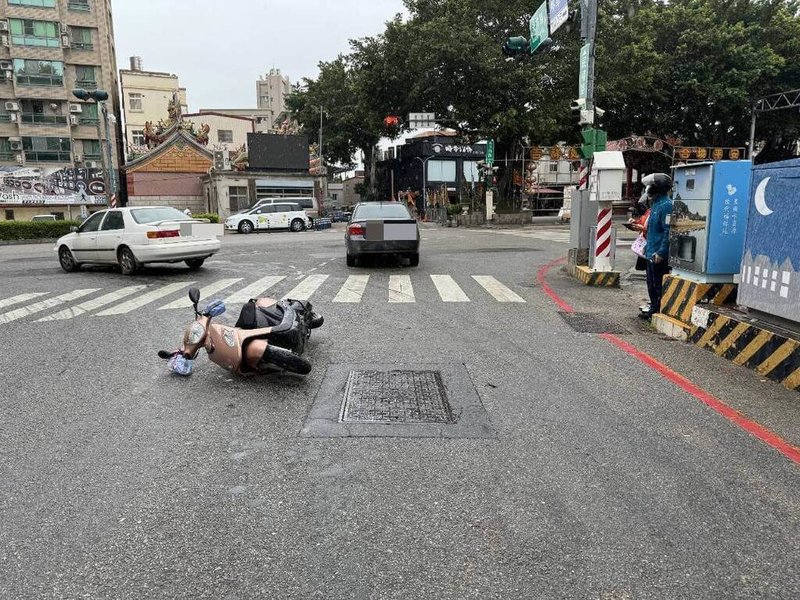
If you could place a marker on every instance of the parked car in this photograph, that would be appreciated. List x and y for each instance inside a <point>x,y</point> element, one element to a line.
<point>382,228</point>
<point>43,218</point>
<point>134,236</point>
<point>268,216</point>
<point>308,203</point>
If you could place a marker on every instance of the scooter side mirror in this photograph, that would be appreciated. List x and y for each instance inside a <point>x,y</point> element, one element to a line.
<point>194,296</point>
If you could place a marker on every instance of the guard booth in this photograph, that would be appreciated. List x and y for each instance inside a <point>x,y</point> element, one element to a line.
<point>709,219</point>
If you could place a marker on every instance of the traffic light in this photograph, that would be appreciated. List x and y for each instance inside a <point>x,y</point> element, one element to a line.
<point>515,46</point>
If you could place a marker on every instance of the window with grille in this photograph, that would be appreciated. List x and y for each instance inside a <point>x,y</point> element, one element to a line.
<point>47,149</point>
<point>27,32</point>
<point>239,198</point>
<point>135,101</point>
<point>81,38</point>
<point>86,76</point>
<point>37,3</point>
<point>39,72</point>
<point>137,137</point>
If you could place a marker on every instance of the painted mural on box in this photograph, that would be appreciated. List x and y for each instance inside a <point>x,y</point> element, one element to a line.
<point>24,186</point>
<point>771,264</point>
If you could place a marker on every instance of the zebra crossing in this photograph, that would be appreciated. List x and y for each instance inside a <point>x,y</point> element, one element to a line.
<point>321,288</point>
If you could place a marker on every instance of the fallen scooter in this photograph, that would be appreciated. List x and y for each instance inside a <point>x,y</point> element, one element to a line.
<point>270,335</point>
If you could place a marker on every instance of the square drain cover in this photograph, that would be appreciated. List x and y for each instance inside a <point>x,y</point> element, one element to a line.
<point>433,400</point>
<point>592,323</point>
<point>395,397</point>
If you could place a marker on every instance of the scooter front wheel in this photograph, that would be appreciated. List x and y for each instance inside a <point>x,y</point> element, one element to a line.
<point>285,359</point>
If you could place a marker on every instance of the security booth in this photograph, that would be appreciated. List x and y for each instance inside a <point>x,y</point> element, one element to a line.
<point>770,277</point>
<point>605,187</point>
<point>709,219</point>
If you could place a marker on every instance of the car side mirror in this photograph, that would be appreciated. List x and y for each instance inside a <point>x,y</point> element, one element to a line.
<point>73,229</point>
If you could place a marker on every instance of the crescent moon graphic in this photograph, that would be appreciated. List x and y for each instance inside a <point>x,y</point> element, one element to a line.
<point>760,200</point>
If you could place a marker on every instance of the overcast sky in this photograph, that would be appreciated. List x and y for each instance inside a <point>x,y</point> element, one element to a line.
<point>218,48</point>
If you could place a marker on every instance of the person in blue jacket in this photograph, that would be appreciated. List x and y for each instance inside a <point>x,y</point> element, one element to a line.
<point>657,249</point>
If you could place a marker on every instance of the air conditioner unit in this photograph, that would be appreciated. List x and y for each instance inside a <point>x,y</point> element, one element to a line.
<point>5,40</point>
<point>5,65</point>
<point>16,145</point>
<point>3,25</point>
<point>75,108</point>
<point>64,28</point>
<point>65,41</point>
<point>12,107</point>
<point>92,164</point>
<point>73,120</point>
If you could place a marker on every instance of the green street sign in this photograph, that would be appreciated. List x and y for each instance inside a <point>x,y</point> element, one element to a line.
<point>490,152</point>
<point>594,140</point>
<point>583,80</point>
<point>540,32</point>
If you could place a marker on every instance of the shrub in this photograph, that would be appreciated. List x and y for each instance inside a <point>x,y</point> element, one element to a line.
<point>33,230</point>
<point>213,217</point>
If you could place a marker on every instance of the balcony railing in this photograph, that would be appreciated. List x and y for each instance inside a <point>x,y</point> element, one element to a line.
<point>5,119</point>
<point>82,46</point>
<point>41,80</point>
<point>48,156</point>
<point>79,5</point>
<point>86,84</point>
<point>93,157</point>
<point>7,155</point>
<point>88,120</point>
<point>40,119</point>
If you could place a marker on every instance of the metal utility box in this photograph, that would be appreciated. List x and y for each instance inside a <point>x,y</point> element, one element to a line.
<point>709,218</point>
<point>607,177</point>
<point>770,280</point>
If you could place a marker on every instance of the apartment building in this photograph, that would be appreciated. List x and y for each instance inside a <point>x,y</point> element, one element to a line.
<point>262,119</point>
<point>47,49</point>
<point>271,92</point>
<point>145,97</point>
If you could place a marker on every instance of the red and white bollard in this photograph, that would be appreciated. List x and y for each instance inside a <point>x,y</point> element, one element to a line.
<point>603,244</point>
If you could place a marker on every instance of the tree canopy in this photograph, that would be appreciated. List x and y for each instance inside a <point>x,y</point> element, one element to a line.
<point>691,69</point>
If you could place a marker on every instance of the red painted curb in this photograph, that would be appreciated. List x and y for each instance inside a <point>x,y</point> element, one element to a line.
<point>755,429</point>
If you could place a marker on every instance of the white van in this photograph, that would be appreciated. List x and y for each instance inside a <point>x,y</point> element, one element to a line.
<point>308,203</point>
<point>279,215</point>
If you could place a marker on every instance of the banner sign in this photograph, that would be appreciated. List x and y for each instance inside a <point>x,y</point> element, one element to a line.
<point>68,186</point>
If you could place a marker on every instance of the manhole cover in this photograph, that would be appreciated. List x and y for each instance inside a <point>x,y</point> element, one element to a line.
<point>395,397</point>
<point>592,323</point>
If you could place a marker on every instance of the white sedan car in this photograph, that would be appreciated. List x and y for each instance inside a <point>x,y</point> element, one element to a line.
<point>134,236</point>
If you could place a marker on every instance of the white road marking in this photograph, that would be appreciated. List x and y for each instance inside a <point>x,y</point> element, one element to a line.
<point>307,287</point>
<point>500,292</point>
<point>44,305</point>
<point>21,298</point>
<point>448,289</point>
<point>206,292</point>
<point>145,299</point>
<point>254,290</point>
<point>353,289</point>
<point>400,289</point>
<point>85,307</point>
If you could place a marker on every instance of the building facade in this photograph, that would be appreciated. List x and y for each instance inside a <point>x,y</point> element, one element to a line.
<point>271,92</point>
<point>47,49</point>
<point>261,118</point>
<point>145,97</point>
<point>226,132</point>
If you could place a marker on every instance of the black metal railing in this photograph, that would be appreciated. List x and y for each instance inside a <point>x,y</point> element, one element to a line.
<point>41,80</point>
<point>40,119</point>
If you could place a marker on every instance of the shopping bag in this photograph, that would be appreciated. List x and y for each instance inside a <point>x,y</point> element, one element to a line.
<point>639,245</point>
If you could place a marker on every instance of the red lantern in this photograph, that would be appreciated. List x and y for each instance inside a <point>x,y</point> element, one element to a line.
<point>391,121</point>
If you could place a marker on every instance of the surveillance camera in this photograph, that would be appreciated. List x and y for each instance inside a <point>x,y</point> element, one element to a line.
<point>599,112</point>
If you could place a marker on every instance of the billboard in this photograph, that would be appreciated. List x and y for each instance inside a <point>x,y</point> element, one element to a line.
<point>770,278</point>
<point>26,186</point>
<point>274,152</point>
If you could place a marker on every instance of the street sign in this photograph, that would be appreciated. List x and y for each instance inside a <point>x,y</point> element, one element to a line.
<point>583,80</point>
<point>490,152</point>
<point>559,13</point>
<point>421,120</point>
<point>84,211</point>
<point>538,25</point>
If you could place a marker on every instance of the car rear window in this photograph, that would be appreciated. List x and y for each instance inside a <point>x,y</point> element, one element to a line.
<point>154,215</point>
<point>381,211</point>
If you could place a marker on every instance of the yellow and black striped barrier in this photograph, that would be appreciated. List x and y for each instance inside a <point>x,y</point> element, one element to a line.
<point>771,352</point>
<point>594,278</point>
<point>680,296</point>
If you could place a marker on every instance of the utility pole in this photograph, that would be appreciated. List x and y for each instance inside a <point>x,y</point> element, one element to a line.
<point>110,177</point>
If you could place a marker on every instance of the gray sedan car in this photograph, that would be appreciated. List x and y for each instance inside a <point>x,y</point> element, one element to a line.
<point>382,228</point>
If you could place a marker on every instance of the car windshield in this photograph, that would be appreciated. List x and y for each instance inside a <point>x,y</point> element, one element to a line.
<point>156,214</point>
<point>381,211</point>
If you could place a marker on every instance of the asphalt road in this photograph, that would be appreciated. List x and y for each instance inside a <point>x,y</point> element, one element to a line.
<point>602,480</point>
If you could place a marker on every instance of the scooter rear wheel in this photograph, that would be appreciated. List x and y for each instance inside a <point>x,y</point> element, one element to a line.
<point>285,359</point>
